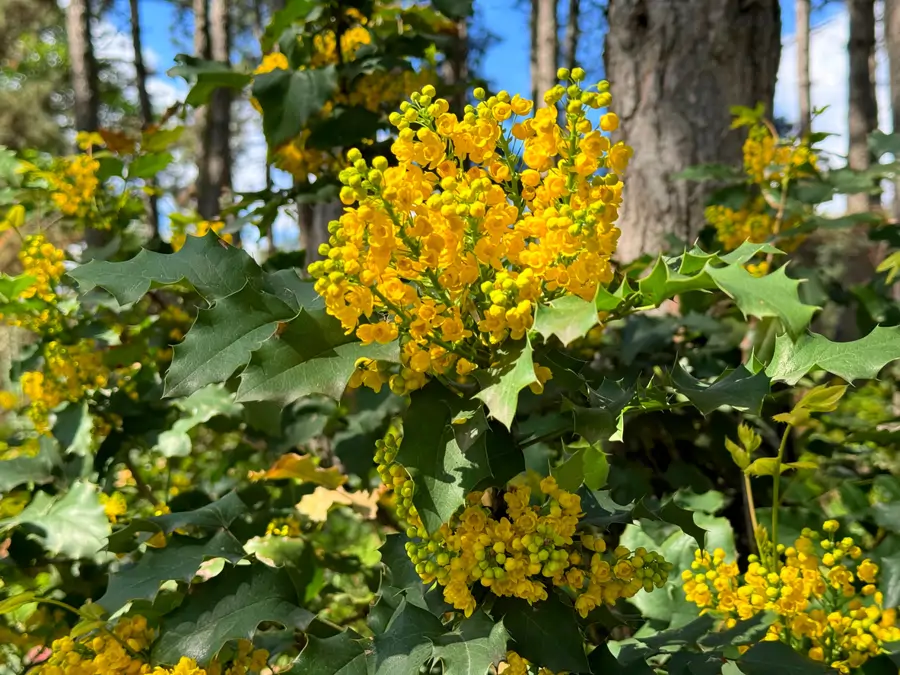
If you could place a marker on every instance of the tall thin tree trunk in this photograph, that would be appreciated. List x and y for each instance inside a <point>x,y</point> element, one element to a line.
<point>218,121</point>
<point>85,81</point>
<point>546,48</point>
<point>457,72</point>
<point>892,37</point>
<point>675,68</point>
<point>140,70</point>
<point>863,108</point>
<point>803,84</point>
<point>532,25</point>
<point>572,34</point>
<point>202,50</point>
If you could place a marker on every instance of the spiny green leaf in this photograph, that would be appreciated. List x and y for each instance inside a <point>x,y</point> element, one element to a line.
<point>687,634</point>
<point>147,166</point>
<point>212,267</point>
<point>402,576</point>
<point>311,356</point>
<point>739,389</point>
<point>545,633</point>
<point>179,560</point>
<point>603,420</point>
<point>406,643</point>
<point>36,470</point>
<point>477,644</point>
<point>289,98</point>
<point>568,318</point>
<point>223,338</point>
<point>588,465</point>
<point>228,607</point>
<point>442,471</point>
<point>502,383</point>
<point>774,295</point>
<point>215,516</point>
<point>11,287</point>
<point>765,658</point>
<point>744,632</point>
<point>206,76</point>
<point>73,525</point>
<point>341,654</point>
<point>859,359</point>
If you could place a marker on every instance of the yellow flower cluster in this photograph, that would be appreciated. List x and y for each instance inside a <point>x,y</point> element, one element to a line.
<point>452,248</point>
<point>70,372</point>
<point>812,587</point>
<point>114,505</point>
<point>516,665</point>
<point>74,184</point>
<point>769,163</point>
<point>535,543</point>
<point>44,262</point>
<point>283,527</point>
<point>30,448</point>
<point>180,233</point>
<point>118,653</point>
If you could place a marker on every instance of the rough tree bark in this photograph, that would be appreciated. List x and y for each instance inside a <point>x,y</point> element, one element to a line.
<point>675,68</point>
<point>803,84</point>
<point>532,27</point>
<point>863,108</point>
<point>85,82</point>
<point>146,106</point>
<point>892,37</point>
<point>218,120</point>
<point>570,50</point>
<point>545,48</point>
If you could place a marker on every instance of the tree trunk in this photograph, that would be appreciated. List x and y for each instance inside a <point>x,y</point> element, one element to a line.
<point>803,85</point>
<point>545,49</point>
<point>532,26</point>
<point>863,108</point>
<point>202,51</point>
<point>675,68</point>
<point>892,37</point>
<point>572,33</point>
<point>218,119</point>
<point>456,74</point>
<point>140,70</point>
<point>85,82</point>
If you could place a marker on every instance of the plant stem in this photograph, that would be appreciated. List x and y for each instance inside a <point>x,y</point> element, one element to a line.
<point>776,485</point>
<point>751,507</point>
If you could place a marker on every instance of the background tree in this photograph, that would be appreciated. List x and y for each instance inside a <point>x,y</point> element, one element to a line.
<point>146,107</point>
<point>892,38</point>
<point>676,67</point>
<point>802,9</point>
<point>862,104</point>
<point>85,81</point>
<point>570,48</point>
<point>545,47</point>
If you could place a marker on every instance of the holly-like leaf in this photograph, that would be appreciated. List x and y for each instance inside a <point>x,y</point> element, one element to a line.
<point>406,643</point>
<point>211,517</point>
<point>443,472</point>
<point>213,268</point>
<point>744,632</point>
<point>341,654</point>
<point>289,98</point>
<point>767,657</point>
<point>739,389</point>
<point>859,359</point>
<point>588,465</point>
<point>206,76</point>
<point>222,339</point>
<point>775,295</point>
<point>228,607</point>
<point>199,408</point>
<point>403,577</point>
<point>477,644</point>
<point>179,560</point>
<point>889,579</point>
<point>568,318</point>
<point>545,633</point>
<point>604,419</point>
<point>311,356</point>
<point>73,525</point>
<point>147,166</point>
<point>36,470</point>
<point>502,383</point>
<point>12,287</point>
<point>304,468</point>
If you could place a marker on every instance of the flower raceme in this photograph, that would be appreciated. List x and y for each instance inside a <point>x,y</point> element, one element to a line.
<point>480,219</point>
<point>534,544</point>
<point>824,596</point>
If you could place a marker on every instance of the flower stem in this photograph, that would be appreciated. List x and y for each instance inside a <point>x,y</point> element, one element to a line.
<point>776,485</point>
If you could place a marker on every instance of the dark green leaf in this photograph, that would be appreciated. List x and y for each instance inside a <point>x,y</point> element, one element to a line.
<point>344,127</point>
<point>228,607</point>
<point>739,389</point>
<point>454,9</point>
<point>341,654</point>
<point>881,143</point>
<point>223,338</point>
<point>294,11</point>
<point>687,634</point>
<point>179,560</point>
<point>568,318</point>
<point>290,98</point>
<point>311,356</point>
<point>545,633</point>
<point>213,268</point>
<point>443,472</point>
<point>477,644</point>
<point>406,643</point>
<point>889,580</point>
<point>147,166</point>
<point>860,359</point>
<point>207,76</point>
<point>765,658</point>
<point>744,632</point>
<point>604,419</point>
<point>502,383</point>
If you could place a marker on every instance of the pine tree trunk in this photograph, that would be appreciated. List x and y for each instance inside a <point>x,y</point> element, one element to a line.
<point>85,82</point>
<point>863,108</point>
<point>532,26</point>
<point>892,37</point>
<point>572,33</point>
<point>545,48</point>
<point>202,50</point>
<point>803,84</point>
<point>146,106</point>
<point>218,120</point>
<point>675,68</point>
